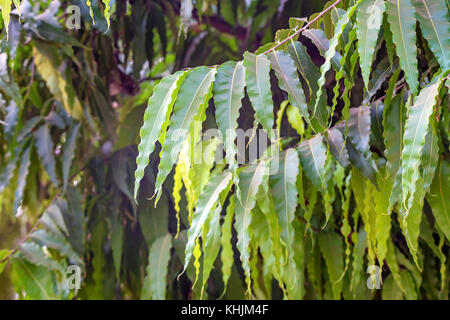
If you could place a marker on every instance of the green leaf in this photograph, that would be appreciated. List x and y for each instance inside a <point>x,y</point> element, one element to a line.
<point>368,22</point>
<point>57,242</point>
<point>155,282</point>
<point>416,128</point>
<point>435,25</point>
<point>257,78</point>
<point>288,80</point>
<point>25,163</point>
<point>193,96</point>
<point>391,291</point>
<point>337,146</point>
<point>36,281</point>
<point>206,204</point>
<point>228,93</point>
<point>359,128</point>
<point>383,218</point>
<point>99,262</point>
<point>117,239</point>
<point>68,153</point>
<point>320,40</point>
<point>295,119</point>
<point>227,249</point>
<point>11,119</point>
<point>107,12</point>
<point>313,155</point>
<point>211,245</point>
<point>393,123</point>
<point>44,147</point>
<point>154,222</point>
<point>429,158</point>
<point>7,172</point>
<point>283,186</point>
<point>156,120</point>
<point>91,12</point>
<point>249,181</point>
<point>36,255</point>
<point>309,71</point>
<point>5,6</point>
<point>265,205</point>
<point>393,266</point>
<point>331,246</point>
<point>400,15</point>
<point>358,259</point>
<point>48,60</point>
<point>279,119</point>
<point>330,53</point>
<point>411,223</point>
<point>260,229</point>
<point>438,197</point>
<point>4,254</point>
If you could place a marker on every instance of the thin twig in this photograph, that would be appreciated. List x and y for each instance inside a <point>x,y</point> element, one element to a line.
<point>304,27</point>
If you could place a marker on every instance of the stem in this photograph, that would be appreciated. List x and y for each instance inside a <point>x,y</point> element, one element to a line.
<point>305,27</point>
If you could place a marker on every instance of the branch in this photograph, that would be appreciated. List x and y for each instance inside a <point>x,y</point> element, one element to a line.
<point>305,27</point>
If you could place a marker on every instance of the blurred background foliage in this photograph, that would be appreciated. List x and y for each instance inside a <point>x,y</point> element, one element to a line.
<point>72,103</point>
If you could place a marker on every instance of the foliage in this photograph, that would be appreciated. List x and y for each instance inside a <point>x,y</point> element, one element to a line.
<point>353,180</point>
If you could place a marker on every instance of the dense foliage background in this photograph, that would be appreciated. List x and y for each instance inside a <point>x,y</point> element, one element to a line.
<point>359,99</point>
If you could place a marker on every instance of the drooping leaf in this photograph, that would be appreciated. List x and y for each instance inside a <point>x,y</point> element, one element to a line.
<point>438,197</point>
<point>193,96</point>
<point>368,22</point>
<point>156,120</point>
<point>295,119</point>
<point>383,218</point>
<point>337,146</point>
<point>393,121</point>
<point>320,40</point>
<point>284,192</point>
<point>4,254</point>
<point>5,6</point>
<point>47,63</point>
<point>155,282</point>
<point>416,127</point>
<point>44,147</point>
<point>227,249</point>
<point>288,80</point>
<point>211,245</point>
<point>429,158</point>
<point>25,162</point>
<point>37,281</point>
<point>433,18</point>
<point>330,53</point>
<point>68,153</point>
<point>358,259</point>
<point>228,93</point>
<point>359,128</point>
<point>91,12</point>
<point>107,12</point>
<point>205,206</point>
<point>332,250</point>
<point>313,154</point>
<point>257,68</point>
<point>249,183</point>
<point>309,71</point>
<point>259,229</point>
<point>402,21</point>
<point>36,255</point>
